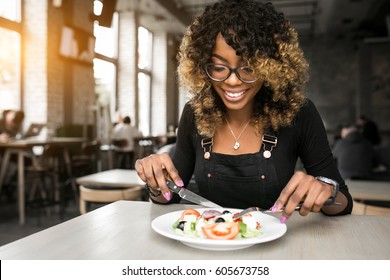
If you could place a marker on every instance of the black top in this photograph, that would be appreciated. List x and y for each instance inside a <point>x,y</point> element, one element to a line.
<point>246,180</point>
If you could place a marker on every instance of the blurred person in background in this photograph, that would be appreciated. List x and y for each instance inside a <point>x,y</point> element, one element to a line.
<point>123,136</point>
<point>354,154</point>
<point>369,129</point>
<point>10,124</point>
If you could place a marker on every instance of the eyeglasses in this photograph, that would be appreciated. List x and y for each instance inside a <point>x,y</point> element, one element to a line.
<point>220,72</point>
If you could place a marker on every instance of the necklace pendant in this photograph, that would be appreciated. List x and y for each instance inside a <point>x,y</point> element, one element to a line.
<point>236,145</point>
<point>267,154</point>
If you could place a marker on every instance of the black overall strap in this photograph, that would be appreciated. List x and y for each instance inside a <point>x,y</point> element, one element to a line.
<point>269,142</point>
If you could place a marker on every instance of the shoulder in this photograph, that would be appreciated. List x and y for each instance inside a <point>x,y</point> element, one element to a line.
<point>188,110</point>
<point>187,127</point>
<point>308,107</point>
<point>308,113</point>
<point>117,128</point>
<point>308,124</point>
<point>188,114</point>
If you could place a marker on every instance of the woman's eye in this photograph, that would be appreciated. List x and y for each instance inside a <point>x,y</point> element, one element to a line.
<point>218,68</point>
<point>247,70</point>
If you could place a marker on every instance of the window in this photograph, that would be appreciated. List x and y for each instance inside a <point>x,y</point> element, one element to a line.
<point>145,45</point>
<point>105,82</point>
<point>106,39</point>
<point>10,55</point>
<point>11,10</point>
<point>9,69</point>
<point>144,102</point>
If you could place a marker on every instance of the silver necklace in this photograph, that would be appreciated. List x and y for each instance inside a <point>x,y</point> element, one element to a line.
<point>237,144</point>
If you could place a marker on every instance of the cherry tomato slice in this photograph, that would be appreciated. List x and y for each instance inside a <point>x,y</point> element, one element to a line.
<point>221,230</point>
<point>189,212</point>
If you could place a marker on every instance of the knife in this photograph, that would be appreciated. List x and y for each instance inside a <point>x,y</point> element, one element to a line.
<point>191,196</point>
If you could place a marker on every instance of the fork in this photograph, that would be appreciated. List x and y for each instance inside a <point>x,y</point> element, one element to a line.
<point>258,209</point>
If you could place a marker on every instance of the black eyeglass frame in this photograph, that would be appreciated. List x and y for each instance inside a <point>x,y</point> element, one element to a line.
<point>231,70</point>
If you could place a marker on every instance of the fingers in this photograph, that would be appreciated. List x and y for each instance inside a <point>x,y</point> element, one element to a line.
<point>304,189</point>
<point>291,196</point>
<point>155,170</point>
<point>289,193</point>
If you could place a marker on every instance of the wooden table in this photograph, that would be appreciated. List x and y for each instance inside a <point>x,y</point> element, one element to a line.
<point>369,190</point>
<point>112,178</point>
<point>127,180</point>
<point>23,148</point>
<point>122,231</point>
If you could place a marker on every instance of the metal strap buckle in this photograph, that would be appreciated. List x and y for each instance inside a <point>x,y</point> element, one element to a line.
<point>269,139</point>
<point>207,143</point>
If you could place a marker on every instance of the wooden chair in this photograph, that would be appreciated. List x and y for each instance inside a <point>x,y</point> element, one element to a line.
<point>124,160</point>
<point>144,146</point>
<point>43,195</point>
<point>88,161</point>
<point>106,195</point>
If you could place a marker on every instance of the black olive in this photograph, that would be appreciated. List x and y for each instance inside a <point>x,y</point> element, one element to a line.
<point>226,212</point>
<point>219,220</point>
<point>180,225</point>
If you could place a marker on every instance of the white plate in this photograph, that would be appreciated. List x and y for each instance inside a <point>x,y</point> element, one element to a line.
<point>271,229</point>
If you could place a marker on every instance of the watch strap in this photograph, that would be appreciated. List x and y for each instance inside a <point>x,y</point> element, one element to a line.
<point>332,183</point>
<point>151,192</point>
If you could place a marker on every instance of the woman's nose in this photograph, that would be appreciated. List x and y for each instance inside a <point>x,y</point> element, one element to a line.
<point>233,79</point>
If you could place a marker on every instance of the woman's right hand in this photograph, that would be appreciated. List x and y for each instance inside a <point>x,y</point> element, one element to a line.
<point>155,170</point>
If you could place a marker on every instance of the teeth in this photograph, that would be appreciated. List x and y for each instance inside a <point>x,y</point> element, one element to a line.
<point>236,94</point>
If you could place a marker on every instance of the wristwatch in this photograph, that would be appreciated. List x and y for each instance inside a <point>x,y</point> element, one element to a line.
<point>151,192</point>
<point>332,183</point>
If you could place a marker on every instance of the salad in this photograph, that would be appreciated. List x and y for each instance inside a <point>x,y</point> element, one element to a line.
<point>214,224</point>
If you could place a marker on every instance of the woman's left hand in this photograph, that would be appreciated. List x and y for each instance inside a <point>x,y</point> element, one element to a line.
<point>305,189</point>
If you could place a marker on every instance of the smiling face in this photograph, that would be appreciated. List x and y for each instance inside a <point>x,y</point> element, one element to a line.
<point>235,94</point>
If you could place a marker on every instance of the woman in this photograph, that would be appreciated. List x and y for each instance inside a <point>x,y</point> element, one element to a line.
<point>10,124</point>
<point>247,121</point>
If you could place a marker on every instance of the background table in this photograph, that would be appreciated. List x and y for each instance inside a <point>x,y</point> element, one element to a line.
<point>112,178</point>
<point>364,192</point>
<point>23,147</point>
<point>125,179</point>
<point>369,190</point>
<point>122,230</point>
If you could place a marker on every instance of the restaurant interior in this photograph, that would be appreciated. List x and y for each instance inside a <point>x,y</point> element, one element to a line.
<point>76,68</point>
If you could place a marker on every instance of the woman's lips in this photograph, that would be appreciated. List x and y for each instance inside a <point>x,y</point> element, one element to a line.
<point>234,96</point>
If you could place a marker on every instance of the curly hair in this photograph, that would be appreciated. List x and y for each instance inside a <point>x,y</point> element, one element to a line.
<point>266,41</point>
